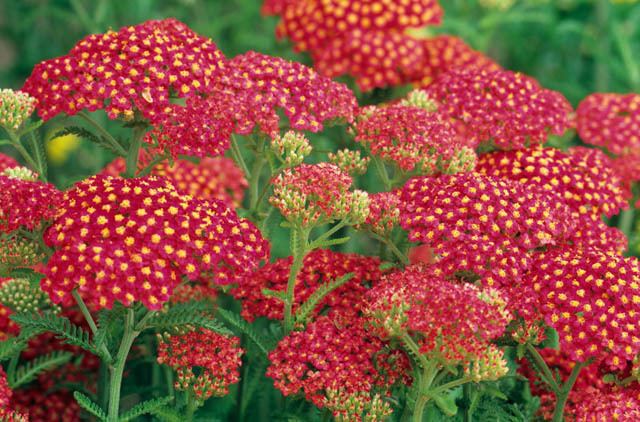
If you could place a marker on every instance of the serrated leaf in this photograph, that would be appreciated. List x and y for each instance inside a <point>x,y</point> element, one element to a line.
<point>34,323</point>
<point>144,408</point>
<point>30,370</point>
<point>307,308</point>
<point>552,340</point>
<point>107,322</point>
<point>167,414</point>
<point>243,326</point>
<point>90,406</point>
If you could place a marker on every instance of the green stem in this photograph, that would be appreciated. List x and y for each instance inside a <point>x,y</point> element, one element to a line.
<point>632,67</point>
<point>382,172</point>
<point>237,157</point>
<point>418,412</point>
<point>299,239</point>
<point>134,151</point>
<point>450,385</point>
<point>563,393</point>
<point>542,366</point>
<point>392,246</point>
<point>625,222</point>
<point>414,350</point>
<point>112,141</point>
<point>38,156</point>
<point>326,235</point>
<point>192,405</point>
<point>254,182</point>
<point>15,142</point>
<point>117,370</point>
<point>92,324</point>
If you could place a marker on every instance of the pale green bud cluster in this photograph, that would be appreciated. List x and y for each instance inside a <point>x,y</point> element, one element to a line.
<point>15,108</point>
<point>350,161</point>
<point>420,98</point>
<point>292,148</point>
<point>21,173</point>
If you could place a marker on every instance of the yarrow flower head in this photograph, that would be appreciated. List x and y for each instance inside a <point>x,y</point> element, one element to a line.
<point>254,89</point>
<point>583,178</point>
<point>18,252</point>
<point>446,52</point>
<point>334,357</point>
<point>25,203</point>
<point>365,39</point>
<point>137,68</point>
<point>611,121</point>
<point>509,110</point>
<point>384,213</point>
<point>350,161</point>
<point>319,268</point>
<point>133,239</point>
<point>413,138</point>
<point>612,403</point>
<point>482,224</point>
<point>211,178</point>
<point>291,148</point>
<point>591,298</point>
<point>15,108</point>
<point>7,162</point>
<point>357,407</point>
<point>206,363</point>
<point>420,301</point>
<point>313,194</point>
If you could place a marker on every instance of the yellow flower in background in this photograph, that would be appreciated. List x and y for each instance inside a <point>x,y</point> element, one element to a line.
<point>60,147</point>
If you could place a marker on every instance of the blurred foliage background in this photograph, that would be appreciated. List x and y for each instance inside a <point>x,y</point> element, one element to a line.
<point>574,46</point>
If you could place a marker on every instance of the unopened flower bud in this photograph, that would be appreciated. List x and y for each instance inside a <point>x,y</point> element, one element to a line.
<point>490,366</point>
<point>18,252</point>
<point>350,161</point>
<point>21,296</point>
<point>21,173</point>
<point>420,98</point>
<point>359,209</point>
<point>464,160</point>
<point>292,148</point>
<point>15,108</point>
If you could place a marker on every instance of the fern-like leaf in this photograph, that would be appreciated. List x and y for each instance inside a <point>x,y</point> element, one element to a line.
<point>144,408</point>
<point>90,406</point>
<point>307,308</point>
<point>89,136</point>
<point>243,326</point>
<point>186,314</point>
<point>11,347</point>
<point>167,414</point>
<point>38,152</point>
<point>34,324</point>
<point>30,370</point>
<point>108,321</point>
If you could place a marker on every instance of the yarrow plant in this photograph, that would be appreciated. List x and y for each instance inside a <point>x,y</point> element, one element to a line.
<point>266,243</point>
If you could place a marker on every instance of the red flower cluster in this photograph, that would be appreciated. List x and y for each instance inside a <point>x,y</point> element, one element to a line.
<point>7,162</point>
<point>422,302</point>
<point>611,121</point>
<point>137,68</point>
<point>384,212</point>
<point>133,239</point>
<point>445,52</point>
<point>25,203</point>
<point>206,362</point>
<point>319,267</point>
<point>6,414</point>
<point>613,404</point>
<point>45,406</point>
<point>583,179</point>
<point>482,224</point>
<point>262,85</point>
<point>413,138</point>
<point>591,298</point>
<point>251,92</point>
<point>366,39</point>
<point>211,178</point>
<point>509,109</point>
<point>339,355</point>
<point>312,194</point>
